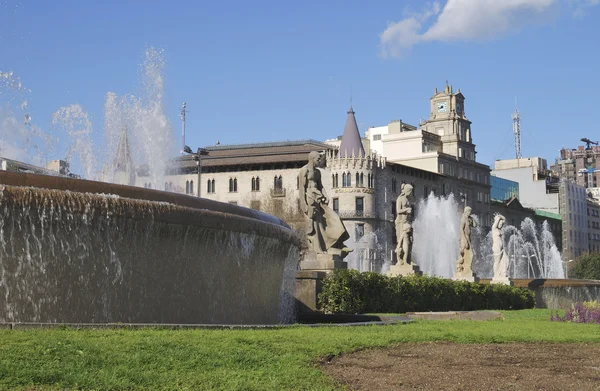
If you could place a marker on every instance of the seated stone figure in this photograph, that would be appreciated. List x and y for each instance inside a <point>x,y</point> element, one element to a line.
<point>325,231</point>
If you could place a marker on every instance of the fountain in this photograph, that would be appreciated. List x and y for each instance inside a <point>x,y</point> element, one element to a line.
<point>437,217</point>
<point>531,253</point>
<point>85,251</point>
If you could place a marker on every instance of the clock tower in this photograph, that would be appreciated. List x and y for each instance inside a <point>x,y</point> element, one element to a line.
<point>447,120</point>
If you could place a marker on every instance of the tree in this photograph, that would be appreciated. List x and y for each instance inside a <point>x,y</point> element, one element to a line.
<point>587,267</point>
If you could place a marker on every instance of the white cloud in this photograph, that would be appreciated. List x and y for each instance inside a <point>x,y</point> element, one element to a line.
<point>464,20</point>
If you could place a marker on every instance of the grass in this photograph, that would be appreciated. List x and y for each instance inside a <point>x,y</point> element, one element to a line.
<point>273,359</point>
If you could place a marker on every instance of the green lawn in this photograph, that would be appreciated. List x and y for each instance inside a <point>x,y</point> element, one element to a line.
<point>273,359</point>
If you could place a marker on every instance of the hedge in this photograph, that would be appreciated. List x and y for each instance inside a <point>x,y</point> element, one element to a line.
<point>352,292</point>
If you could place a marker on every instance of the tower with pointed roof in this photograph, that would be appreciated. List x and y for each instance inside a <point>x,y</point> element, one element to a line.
<point>122,166</point>
<point>353,174</point>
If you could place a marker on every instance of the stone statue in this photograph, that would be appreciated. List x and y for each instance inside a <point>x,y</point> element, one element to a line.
<point>404,230</point>
<point>465,258</point>
<point>325,232</point>
<point>500,257</point>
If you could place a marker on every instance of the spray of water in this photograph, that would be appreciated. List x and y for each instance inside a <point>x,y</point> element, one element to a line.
<point>20,139</point>
<point>140,117</point>
<point>531,251</point>
<point>435,234</point>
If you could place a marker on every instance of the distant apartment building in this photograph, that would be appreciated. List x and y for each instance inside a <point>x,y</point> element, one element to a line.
<point>543,191</point>
<point>53,167</point>
<point>581,165</point>
<point>593,221</point>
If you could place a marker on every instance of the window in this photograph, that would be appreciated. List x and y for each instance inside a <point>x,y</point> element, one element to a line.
<point>357,179</point>
<point>376,137</point>
<point>362,178</point>
<point>233,185</point>
<point>255,184</point>
<point>394,186</point>
<point>359,232</point>
<point>210,186</point>
<point>191,187</point>
<point>426,192</point>
<point>336,183</point>
<point>187,187</point>
<point>336,205</point>
<point>278,183</point>
<point>359,205</point>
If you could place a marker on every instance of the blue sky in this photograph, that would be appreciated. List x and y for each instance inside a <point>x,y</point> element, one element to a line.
<point>273,70</point>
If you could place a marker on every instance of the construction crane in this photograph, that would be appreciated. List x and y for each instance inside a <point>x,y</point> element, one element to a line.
<point>589,142</point>
<point>516,117</point>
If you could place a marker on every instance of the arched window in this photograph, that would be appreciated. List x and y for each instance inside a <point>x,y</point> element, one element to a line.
<point>253,184</point>
<point>362,179</point>
<point>349,180</point>
<point>191,187</point>
<point>332,180</point>
<point>343,179</point>
<point>213,186</point>
<point>337,183</point>
<point>230,185</point>
<point>235,184</point>
<point>357,179</point>
<point>257,184</point>
<point>208,187</point>
<point>187,187</point>
<point>278,183</point>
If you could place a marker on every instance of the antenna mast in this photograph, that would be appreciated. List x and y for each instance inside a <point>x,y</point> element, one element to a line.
<point>516,117</point>
<point>183,111</point>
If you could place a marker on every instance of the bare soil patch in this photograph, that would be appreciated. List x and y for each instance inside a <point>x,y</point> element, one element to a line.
<point>452,366</point>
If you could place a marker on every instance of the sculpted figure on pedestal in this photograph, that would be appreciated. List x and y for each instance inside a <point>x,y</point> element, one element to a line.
<point>500,257</point>
<point>404,230</point>
<point>465,258</point>
<point>325,231</point>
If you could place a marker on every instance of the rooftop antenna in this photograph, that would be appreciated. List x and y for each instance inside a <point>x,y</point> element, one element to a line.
<point>183,111</point>
<point>516,117</point>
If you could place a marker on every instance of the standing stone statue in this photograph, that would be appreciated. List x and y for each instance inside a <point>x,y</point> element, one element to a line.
<point>325,231</point>
<point>404,234</point>
<point>404,230</point>
<point>464,265</point>
<point>500,257</point>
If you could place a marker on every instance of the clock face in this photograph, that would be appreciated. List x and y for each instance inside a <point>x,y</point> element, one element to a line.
<point>441,107</point>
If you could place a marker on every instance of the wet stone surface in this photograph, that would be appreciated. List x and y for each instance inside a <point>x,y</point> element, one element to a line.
<point>451,366</point>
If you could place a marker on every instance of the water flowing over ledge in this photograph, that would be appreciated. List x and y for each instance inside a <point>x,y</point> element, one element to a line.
<point>83,251</point>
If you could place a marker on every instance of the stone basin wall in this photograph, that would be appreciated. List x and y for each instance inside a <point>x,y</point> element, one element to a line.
<point>74,251</point>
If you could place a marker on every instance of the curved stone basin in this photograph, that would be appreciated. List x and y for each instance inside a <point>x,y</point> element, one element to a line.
<point>91,252</point>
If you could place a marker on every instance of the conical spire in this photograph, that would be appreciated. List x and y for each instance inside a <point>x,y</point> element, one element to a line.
<point>351,138</point>
<point>123,161</point>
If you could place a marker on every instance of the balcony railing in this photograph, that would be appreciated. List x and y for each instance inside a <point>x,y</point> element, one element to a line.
<point>277,192</point>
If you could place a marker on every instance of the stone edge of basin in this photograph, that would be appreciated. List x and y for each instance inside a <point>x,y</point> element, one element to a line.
<point>456,315</point>
<point>38,326</point>
<point>27,180</point>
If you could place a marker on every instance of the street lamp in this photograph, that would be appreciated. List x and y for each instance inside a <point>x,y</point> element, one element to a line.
<point>198,158</point>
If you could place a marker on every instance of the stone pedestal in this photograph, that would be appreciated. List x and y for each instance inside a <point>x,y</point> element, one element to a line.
<point>472,277</point>
<point>502,280</point>
<point>404,270</point>
<point>322,262</point>
<point>308,286</point>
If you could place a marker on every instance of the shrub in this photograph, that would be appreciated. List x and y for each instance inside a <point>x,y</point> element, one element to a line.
<point>353,292</point>
<point>586,267</point>
<point>586,312</point>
